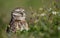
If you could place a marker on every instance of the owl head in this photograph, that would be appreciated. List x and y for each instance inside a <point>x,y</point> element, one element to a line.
<point>18,14</point>
<point>18,11</point>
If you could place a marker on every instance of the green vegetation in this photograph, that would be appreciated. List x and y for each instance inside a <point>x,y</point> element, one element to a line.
<point>43,17</point>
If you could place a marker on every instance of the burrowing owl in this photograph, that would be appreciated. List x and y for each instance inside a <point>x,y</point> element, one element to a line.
<point>18,21</point>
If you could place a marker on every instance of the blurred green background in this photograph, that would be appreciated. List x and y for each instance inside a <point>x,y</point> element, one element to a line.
<point>47,26</point>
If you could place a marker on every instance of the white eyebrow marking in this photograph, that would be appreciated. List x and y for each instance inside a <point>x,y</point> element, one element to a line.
<point>17,10</point>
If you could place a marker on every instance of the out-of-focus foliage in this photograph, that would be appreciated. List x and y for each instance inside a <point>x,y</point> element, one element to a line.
<point>43,17</point>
